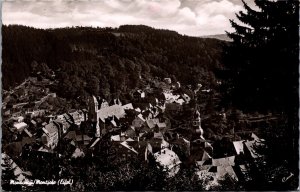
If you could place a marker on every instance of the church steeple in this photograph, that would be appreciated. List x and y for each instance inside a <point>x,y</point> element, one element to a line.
<point>197,114</point>
<point>196,117</point>
<point>93,114</point>
<point>196,123</point>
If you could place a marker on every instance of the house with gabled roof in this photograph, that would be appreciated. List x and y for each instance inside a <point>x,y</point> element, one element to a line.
<point>217,171</point>
<point>249,146</point>
<point>125,149</point>
<point>50,136</point>
<point>136,148</point>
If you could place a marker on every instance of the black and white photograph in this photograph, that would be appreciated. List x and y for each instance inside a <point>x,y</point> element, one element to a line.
<point>150,95</point>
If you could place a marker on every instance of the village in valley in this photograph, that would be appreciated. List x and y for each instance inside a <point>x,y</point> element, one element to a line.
<point>163,124</point>
<point>150,95</point>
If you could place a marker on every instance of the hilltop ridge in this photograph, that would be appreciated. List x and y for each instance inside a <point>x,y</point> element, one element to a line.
<point>108,54</point>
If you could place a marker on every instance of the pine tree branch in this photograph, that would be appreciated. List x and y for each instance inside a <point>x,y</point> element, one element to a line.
<point>240,29</point>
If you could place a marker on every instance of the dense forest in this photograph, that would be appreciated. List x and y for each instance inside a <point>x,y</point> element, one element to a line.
<point>106,61</point>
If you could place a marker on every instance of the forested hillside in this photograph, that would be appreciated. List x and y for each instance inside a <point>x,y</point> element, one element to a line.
<point>108,60</point>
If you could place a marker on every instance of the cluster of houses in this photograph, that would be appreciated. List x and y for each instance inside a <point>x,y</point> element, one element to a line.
<point>238,165</point>
<point>35,130</point>
<point>138,130</point>
<point>42,133</point>
<point>29,95</point>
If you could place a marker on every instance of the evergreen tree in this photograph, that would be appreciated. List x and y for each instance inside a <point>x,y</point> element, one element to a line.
<point>265,51</point>
<point>264,60</point>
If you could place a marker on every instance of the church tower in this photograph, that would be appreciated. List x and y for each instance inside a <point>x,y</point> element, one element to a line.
<point>196,123</point>
<point>93,114</point>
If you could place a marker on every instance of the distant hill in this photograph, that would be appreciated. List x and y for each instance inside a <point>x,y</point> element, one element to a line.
<point>107,60</point>
<point>222,37</point>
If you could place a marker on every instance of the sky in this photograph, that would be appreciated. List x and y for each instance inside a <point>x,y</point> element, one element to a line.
<point>188,17</point>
